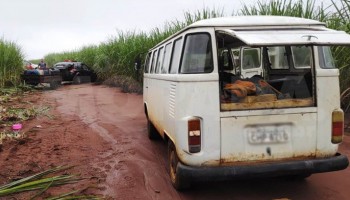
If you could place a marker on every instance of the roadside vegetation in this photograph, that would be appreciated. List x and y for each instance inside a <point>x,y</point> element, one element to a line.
<point>11,63</point>
<point>42,181</point>
<point>115,57</point>
<point>14,110</point>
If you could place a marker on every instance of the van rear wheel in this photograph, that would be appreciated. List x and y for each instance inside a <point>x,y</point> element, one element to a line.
<point>152,131</point>
<point>177,181</point>
<point>297,177</point>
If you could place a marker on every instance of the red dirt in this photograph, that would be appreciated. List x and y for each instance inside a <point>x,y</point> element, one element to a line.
<point>98,129</point>
<point>102,131</point>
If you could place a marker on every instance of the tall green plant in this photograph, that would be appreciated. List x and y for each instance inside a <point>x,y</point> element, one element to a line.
<point>11,63</point>
<point>53,58</point>
<point>341,21</point>
<point>87,55</point>
<point>117,55</point>
<point>304,9</point>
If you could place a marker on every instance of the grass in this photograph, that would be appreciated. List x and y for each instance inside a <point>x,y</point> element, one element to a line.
<point>14,114</point>
<point>116,55</point>
<point>341,20</point>
<point>22,110</point>
<point>11,63</point>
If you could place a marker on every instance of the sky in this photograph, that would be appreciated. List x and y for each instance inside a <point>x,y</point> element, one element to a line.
<point>41,27</point>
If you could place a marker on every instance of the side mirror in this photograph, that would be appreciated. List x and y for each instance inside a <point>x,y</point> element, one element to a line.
<point>137,66</point>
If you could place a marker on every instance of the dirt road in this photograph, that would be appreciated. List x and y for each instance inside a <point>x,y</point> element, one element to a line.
<point>103,132</point>
<point>132,166</point>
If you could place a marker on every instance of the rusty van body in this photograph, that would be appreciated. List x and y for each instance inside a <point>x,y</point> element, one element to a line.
<point>246,97</point>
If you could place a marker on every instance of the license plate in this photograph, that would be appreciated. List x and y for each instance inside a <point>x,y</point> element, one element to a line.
<point>268,134</point>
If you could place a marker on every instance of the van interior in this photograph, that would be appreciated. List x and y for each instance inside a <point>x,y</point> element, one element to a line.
<point>264,77</point>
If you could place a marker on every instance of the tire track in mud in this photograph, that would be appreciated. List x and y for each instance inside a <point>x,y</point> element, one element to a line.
<point>130,163</point>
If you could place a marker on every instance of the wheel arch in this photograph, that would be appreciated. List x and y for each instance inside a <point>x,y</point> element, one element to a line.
<point>145,109</point>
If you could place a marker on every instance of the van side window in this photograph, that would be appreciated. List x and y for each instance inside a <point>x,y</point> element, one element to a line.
<point>302,56</point>
<point>251,58</point>
<point>160,60</point>
<point>278,57</point>
<point>326,59</point>
<point>147,62</point>
<point>175,56</point>
<point>197,55</point>
<point>166,60</point>
<point>154,61</point>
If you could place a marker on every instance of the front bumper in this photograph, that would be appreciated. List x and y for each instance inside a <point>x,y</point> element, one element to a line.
<point>337,162</point>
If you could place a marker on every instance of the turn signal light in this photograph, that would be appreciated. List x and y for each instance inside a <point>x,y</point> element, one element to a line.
<point>337,126</point>
<point>194,135</point>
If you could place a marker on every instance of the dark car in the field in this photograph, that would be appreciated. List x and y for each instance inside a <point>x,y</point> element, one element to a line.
<point>77,72</point>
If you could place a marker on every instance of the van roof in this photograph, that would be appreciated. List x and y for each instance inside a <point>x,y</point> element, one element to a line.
<point>244,21</point>
<point>250,21</point>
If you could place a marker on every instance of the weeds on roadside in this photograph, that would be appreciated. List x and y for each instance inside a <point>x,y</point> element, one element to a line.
<point>116,55</point>
<point>42,182</point>
<point>13,114</point>
<point>11,63</point>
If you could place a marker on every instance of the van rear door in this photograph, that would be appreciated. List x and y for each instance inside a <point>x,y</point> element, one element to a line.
<point>282,129</point>
<point>256,135</point>
<point>290,37</point>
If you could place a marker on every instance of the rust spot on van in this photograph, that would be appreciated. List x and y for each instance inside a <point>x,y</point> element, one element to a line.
<point>261,159</point>
<point>322,153</point>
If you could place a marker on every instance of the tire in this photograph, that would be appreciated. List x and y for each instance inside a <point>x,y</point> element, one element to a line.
<point>297,177</point>
<point>152,131</point>
<point>93,78</point>
<point>54,85</point>
<point>88,79</point>
<point>77,80</point>
<point>178,182</point>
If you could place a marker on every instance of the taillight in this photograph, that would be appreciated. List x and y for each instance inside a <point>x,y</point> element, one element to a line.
<point>194,135</point>
<point>337,126</point>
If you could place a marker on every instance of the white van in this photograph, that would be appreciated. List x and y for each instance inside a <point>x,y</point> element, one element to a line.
<point>247,96</point>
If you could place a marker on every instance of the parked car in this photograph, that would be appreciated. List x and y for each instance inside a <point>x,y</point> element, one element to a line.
<point>77,72</point>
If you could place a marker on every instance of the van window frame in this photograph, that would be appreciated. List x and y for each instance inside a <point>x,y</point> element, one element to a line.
<point>295,60</point>
<point>154,61</point>
<point>322,59</point>
<point>291,59</point>
<point>183,47</point>
<point>181,41</point>
<point>147,62</point>
<point>167,54</point>
<point>160,58</point>
<point>243,53</point>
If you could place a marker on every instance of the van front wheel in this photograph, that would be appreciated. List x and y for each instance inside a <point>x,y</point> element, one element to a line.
<point>177,181</point>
